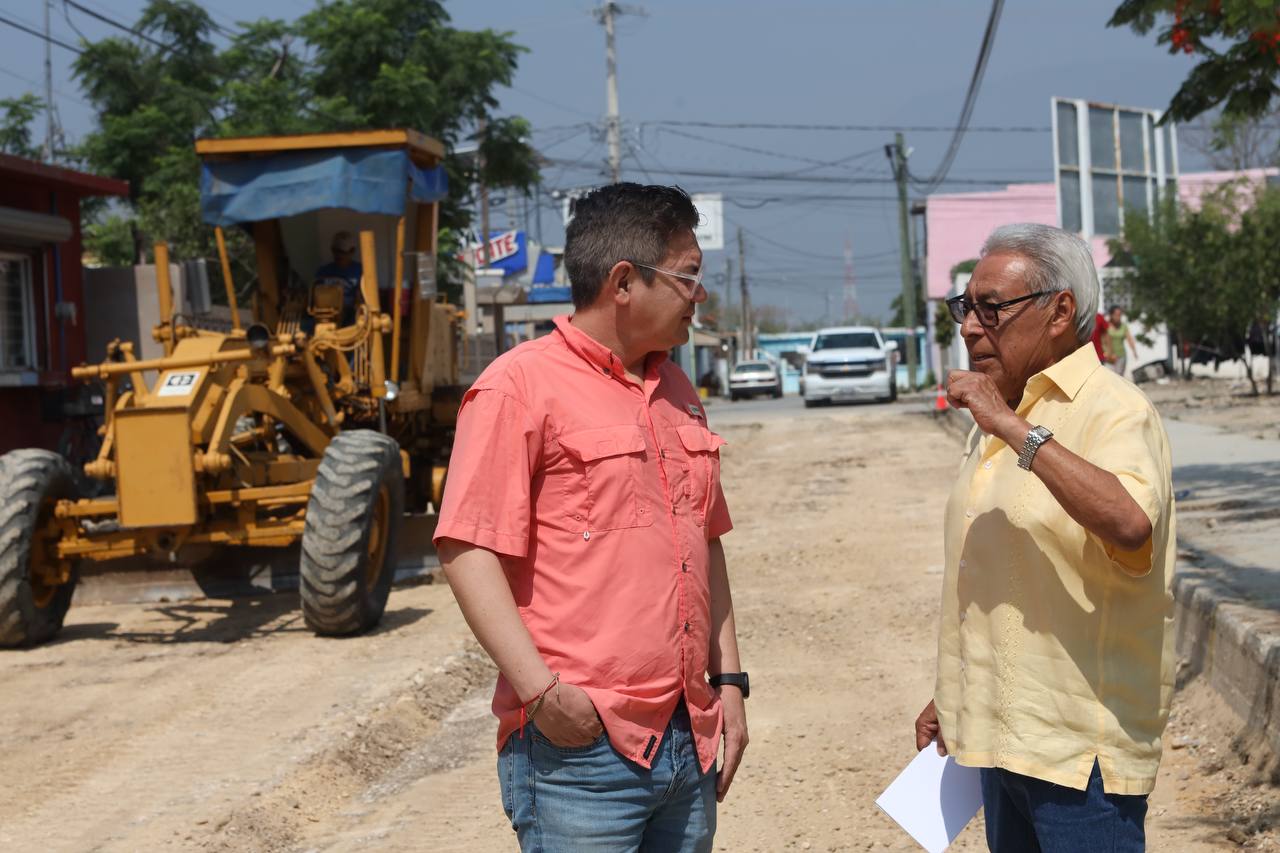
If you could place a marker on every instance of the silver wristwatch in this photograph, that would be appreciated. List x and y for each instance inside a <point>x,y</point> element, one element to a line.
<point>1036,437</point>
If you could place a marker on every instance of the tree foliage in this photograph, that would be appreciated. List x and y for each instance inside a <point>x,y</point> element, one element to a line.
<point>1211,274</point>
<point>16,116</point>
<point>346,65</point>
<point>1238,42</point>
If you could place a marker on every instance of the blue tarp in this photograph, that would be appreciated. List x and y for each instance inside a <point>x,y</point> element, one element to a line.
<point>544,272</point>
<point>366,181</point>
<point>549,293</point>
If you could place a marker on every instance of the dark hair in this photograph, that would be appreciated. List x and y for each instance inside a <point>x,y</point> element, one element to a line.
<point>1114,308</point>
<point>631,222</point>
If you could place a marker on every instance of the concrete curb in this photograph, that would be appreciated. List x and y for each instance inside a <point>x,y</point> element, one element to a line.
<point>1231,643</point>
<point>1219,635</point>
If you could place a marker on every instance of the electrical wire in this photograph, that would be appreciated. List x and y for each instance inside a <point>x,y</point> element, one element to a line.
<point>751,150</point>
<point>970,100</point>
<point>856,128</point>
<point>111,22</point>
<point>40,35</point>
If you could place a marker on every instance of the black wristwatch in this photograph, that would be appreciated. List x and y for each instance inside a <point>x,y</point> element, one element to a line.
<point>737,679</point>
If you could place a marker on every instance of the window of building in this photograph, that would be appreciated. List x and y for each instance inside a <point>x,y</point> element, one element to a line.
<point>1110,160</point>
<point>17,321</point>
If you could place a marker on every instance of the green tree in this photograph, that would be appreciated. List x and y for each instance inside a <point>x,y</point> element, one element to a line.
<point>1207,274</point>
<point>15,125</point>
<point>1238,42</point>
<point>346,65</point>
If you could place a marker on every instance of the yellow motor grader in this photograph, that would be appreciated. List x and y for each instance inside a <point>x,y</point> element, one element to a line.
<point>320,421</point>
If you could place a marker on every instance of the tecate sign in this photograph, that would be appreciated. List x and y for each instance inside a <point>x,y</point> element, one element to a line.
<point>501,246</point>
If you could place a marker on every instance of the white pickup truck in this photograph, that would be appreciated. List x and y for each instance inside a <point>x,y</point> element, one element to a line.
<point>849,363</point>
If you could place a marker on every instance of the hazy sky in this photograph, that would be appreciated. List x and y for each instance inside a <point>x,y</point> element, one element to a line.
<point>866,62</point>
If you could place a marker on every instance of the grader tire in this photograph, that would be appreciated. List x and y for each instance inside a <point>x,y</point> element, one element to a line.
<point>352,529</point>
<point>31,609</point>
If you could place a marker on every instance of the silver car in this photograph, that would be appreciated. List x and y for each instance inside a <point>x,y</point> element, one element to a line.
<point>750,378</point>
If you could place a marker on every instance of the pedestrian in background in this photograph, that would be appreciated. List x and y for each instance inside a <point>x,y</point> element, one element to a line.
<point>1055,654</point>
<point>1114,340</point>
<point>1099,332</point>
<point>580,531</point>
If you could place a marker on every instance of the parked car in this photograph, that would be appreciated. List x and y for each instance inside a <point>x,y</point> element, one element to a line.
<point>849,363</point>
<point>750,378</point>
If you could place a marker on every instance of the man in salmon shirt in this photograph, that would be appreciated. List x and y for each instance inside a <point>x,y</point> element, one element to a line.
<point>580,532</point>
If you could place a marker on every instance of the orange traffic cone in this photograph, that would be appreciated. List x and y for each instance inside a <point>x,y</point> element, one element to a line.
<point>940,402</point>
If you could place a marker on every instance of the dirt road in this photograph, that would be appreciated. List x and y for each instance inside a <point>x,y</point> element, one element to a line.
<point>225,726</point>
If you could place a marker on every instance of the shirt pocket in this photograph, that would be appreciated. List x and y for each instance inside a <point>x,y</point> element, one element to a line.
<point>603,492</point>
<point>702,459</point>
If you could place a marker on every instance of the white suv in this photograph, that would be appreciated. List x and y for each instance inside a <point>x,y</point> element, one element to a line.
<point>849,363</point>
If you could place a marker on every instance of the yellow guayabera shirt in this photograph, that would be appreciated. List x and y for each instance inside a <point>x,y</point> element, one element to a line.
<point>1056,648</point>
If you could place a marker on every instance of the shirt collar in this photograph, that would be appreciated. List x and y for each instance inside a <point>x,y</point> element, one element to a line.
<point>600,356</point>
<point>1069,374</point>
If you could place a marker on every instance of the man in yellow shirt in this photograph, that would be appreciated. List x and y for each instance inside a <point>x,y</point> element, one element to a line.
<point>1055,655</point>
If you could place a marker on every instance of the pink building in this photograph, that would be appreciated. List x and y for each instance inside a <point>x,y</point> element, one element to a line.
<point>958,223</point>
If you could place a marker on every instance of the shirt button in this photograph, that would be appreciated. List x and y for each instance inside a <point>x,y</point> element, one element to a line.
<point>962,564</point>
<point>605,370</point>
<point>684,567</point>
<point>968,513</point>
<point>662,453</point>
<point>986,464</point>
<point>586,535</point>
<point>686,627</point>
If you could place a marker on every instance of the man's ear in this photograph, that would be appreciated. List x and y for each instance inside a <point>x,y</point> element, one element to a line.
<point>1064,313</point>
<point>618,283</point>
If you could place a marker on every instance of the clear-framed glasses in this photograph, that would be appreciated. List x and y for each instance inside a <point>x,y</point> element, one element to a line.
<point>988,312</point>
<point>695,279</point>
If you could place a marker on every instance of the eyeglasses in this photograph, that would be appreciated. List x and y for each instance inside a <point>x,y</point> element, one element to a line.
<point>988,312</point>
<point>695,278</point>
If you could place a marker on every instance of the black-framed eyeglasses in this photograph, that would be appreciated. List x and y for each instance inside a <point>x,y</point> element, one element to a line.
<point>988,312</point>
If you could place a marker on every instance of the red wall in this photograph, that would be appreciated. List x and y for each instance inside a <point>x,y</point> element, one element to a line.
<point>22,421</point>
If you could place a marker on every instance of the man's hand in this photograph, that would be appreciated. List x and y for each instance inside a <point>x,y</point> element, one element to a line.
<point>735,736</point>
<point>977,393</point>
<point>567,717</point>
<point>928,730</point>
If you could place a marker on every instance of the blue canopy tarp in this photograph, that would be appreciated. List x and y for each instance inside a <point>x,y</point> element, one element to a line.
<point>366,181</point>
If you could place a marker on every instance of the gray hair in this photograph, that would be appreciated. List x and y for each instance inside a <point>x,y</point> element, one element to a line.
<point>1059,260</point>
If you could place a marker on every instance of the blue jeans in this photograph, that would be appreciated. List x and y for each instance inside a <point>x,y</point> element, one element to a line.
<point>1026,815</point>
<point>590,798</point>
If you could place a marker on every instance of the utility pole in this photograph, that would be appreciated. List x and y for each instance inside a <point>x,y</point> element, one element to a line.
<point>745,343</point>
<point>728,285</point>
<point>898,157</point>
<point>613,124</point>
<point>499,321</point>
<point>48,85</point>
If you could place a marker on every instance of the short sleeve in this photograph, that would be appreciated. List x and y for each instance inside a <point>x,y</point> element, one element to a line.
<point>496,451</point>
<point>1131,444</point>
<point>718,521</point>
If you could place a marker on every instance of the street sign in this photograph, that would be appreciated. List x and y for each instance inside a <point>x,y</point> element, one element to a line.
<point>710,230</point>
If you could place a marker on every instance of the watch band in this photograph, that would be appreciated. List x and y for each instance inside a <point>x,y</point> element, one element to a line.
<point>734,679</point>
<point>1035,438</point>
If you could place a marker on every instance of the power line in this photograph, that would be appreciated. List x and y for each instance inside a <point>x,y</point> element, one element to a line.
<point>112,23</point>
<point>50,39</point>
<point>565,107</point>
<point>970,100</point>
<point>854,128</point>
<point>751,150</point>
<point>787,177</point>
<point>37,84</point>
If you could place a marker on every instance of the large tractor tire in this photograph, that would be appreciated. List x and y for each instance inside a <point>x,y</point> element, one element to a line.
<point>353,528</point>
<point>32,606</point>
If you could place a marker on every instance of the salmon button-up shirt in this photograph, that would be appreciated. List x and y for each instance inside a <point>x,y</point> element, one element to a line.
<point>1056,648</point>
<point>601,498</point>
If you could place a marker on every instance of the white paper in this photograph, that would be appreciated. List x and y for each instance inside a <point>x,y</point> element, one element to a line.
<point>933,798</point>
